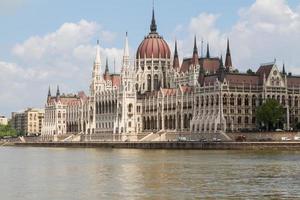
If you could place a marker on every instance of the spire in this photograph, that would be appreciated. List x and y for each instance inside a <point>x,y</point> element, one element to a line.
<point>97,59</point>
<point>153,26</point>
<point>195,46</point>
<point>283,69</point>
<point>228,62</point>
<point>195,59</point>
<point>57,92</point>
<point>175,51</point>
<point>97,63</point>
<point>175,60</point>
<point>207,51</point>
<point>49,92</point>
<point>221,71</point>
<point>221,61</point>
<point>126,53</point>
<point>106,66</point>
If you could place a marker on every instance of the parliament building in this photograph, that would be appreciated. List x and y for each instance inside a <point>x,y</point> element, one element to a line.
<point>157,97</point>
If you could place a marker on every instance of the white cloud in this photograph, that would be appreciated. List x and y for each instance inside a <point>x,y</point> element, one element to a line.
<point>63,57</point>
<point>266,30</point>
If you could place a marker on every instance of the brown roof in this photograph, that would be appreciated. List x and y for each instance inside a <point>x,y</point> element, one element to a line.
<point>293,81</point>
<point>242,79</point>
<point>154,45</point>
<point>114,78</point>
<point>209,64</point>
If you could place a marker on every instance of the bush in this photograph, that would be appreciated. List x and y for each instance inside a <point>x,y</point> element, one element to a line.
<point>7,130</point>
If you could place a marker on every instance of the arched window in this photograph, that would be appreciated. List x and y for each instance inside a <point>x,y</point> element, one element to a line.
<point>130,108</point>
<point>156,83</point>
<point>149,82</point>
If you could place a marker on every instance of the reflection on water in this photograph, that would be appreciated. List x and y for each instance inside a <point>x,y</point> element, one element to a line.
<point>49,173</point>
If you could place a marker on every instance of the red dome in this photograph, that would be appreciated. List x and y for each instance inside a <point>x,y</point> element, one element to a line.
<point>154,45</point>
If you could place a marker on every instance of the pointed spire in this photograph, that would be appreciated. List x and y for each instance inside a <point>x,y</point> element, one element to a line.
<point>106,66</point>
<point>195,59</point>
<point>126,53</point>
<point>195,45</point>
<point>49,92</point>
<point>207,51</point>
<point>228,62</point>
<point>57,92</point>
<point>176,59</point>
<point>153,26</point>
<point>97,59</point>
<point>175,51</point>
<point>221,71</point>
<point>283,69</point>
<point>221,61</point>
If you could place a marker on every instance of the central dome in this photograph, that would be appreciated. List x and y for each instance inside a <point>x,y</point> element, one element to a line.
<point>153,45</point>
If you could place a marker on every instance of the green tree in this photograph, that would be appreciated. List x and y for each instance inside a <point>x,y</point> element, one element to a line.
<point>269,114</point>
<point>7,130</point>
<point>249,71</point>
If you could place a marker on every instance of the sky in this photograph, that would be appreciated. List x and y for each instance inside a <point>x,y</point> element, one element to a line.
<point>48,43</point>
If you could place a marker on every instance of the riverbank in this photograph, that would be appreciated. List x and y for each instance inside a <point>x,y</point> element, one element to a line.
<point>167,145</point>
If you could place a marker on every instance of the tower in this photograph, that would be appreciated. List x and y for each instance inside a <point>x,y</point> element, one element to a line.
<point>125,128</point>
<point>153,60</point>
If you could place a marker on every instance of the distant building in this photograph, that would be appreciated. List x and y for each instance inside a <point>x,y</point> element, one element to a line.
<point>18,121</point>
<point>29,121</point>
<point>3,120</point>
<point>33,120</point>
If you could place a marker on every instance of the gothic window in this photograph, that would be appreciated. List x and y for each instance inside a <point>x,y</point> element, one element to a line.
<point>239,101</point>
<point>246,100</point>
<point>156,83</point>
<point>149,82</point>
<point>232,100</point>
<point>224,100</point>
<point>130,108</point>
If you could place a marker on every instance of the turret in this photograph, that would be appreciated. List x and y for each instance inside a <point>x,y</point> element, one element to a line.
<point>126,62</point>
<point>49,92</point>
<point>283,69</point>
<point>57,93</point>
<point>97,63</point>
<point>221,70</point>
<point>207,51</point>
<point>176,59</point>
<point>228,62</point>
<point>195,59</point>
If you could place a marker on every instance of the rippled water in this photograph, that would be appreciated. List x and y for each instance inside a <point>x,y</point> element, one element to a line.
<point>58,173</point>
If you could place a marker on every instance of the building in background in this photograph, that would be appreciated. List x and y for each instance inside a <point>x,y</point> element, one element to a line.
<point>3,120</point>
<point>29,121</point>
<point>33,121</point>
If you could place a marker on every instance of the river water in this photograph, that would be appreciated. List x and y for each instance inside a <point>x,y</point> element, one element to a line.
<point>61,173</point>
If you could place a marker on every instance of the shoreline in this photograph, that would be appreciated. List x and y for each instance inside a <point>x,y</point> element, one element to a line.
<point>165,145</point>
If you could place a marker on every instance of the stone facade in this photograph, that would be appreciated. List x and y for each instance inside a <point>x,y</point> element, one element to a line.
<point>155,94</point>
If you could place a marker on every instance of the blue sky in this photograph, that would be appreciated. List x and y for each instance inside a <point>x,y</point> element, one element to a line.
<point>45,42</point>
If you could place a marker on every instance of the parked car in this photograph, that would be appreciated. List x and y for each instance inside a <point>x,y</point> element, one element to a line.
<point>240,138</point>
<point>285,139</point>
<point>216,139</point>
<point>278,130</point>
<point>181,139</point>
<point>296,138</point>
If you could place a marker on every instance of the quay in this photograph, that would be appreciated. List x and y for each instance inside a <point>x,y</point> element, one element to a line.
<point>189,145</point>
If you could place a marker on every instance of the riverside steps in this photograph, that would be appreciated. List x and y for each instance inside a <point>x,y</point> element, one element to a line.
<point>169,145</point>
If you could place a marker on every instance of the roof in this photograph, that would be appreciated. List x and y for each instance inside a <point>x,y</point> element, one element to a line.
<point>209,64</point>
